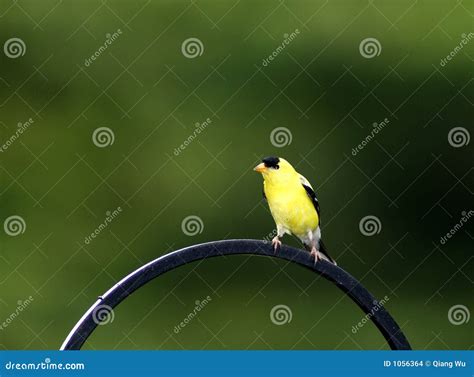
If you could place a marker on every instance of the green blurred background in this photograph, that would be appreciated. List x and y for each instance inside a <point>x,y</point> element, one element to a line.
<point>151,96</point>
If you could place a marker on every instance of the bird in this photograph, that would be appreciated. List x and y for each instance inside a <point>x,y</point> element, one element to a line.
<point>293,205</point>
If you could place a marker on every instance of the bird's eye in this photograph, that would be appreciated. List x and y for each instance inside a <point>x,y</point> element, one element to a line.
<point>277,167</point>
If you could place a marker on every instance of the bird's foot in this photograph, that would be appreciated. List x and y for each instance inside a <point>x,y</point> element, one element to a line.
<point>276,243</point>
<point>315,254</point>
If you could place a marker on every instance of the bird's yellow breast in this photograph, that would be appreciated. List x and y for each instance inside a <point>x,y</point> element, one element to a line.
<point>291,207</point>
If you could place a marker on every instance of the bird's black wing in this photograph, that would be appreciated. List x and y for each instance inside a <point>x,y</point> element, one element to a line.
<point>312,196</point>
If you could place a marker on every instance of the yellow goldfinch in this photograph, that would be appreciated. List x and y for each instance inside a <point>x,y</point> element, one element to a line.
<point>293,205</point>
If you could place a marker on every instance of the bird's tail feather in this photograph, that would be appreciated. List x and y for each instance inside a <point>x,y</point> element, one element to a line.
<point>324,251</point>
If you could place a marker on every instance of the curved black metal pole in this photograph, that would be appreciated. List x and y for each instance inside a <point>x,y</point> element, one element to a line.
<point>381,318</point>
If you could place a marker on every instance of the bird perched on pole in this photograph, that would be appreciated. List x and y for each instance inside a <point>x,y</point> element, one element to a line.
<point>293,205</point>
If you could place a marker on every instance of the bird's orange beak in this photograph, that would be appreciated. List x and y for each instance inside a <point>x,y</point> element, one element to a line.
<point>260,168</point>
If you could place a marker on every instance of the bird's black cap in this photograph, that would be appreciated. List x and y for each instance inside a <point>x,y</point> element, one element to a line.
<point>271,162</point>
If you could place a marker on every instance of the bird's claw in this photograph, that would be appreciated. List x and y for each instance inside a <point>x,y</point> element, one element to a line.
<point>276,243</point>
<point>315,255</point>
